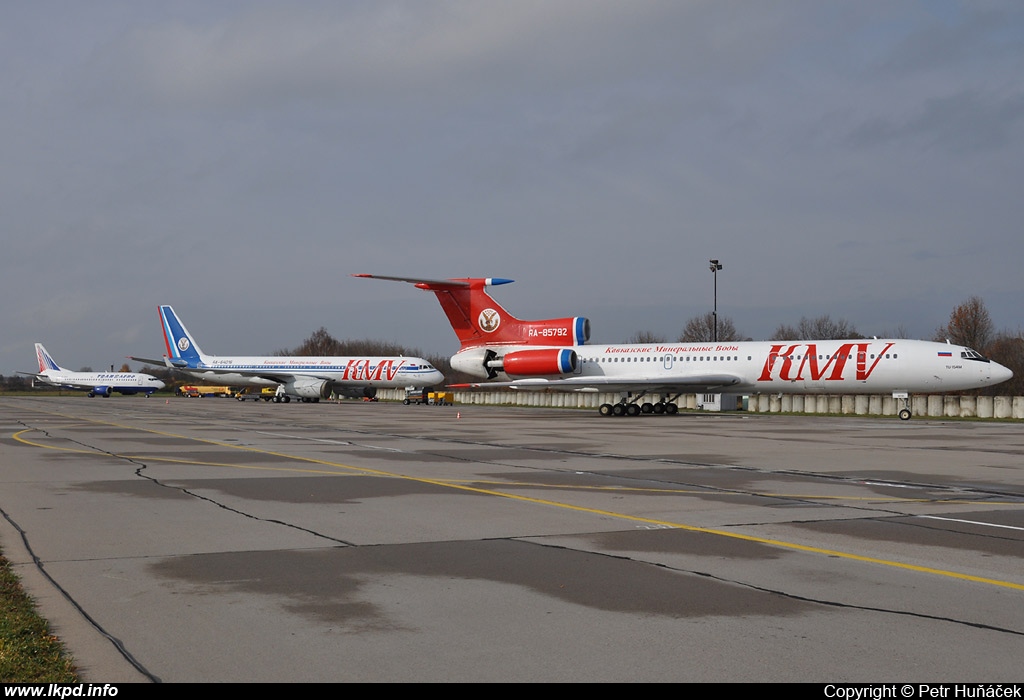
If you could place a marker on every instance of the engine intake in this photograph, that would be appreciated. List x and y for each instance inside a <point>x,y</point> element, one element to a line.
<point>310,388</point>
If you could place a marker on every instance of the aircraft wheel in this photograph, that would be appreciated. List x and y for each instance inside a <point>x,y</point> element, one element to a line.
<point>905,414</point>
<point>659,408</point>
<point>605,409</point>
<point>647,408</point>
<point>619,409</point>
<point>671,409</point>
<point>632,409</point>
<point>90,394</point>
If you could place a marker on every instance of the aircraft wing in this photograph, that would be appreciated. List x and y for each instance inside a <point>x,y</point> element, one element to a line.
<point>418,280</point>
<point>697,384</point>
<point>49,380</point>
<point>280,377</point>
<point>159,363</point>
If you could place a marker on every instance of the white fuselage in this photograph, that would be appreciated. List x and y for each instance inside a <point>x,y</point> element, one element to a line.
<point>380,372</point>
<point>121,382</point>
<point>820,367</point>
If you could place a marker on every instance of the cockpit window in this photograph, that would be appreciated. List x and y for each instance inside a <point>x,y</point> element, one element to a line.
<point>969,354</point>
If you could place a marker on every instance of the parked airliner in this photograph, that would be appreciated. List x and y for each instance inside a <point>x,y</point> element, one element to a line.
<point>553,355</point>
<point>306,378</point>
<point>96,383</point>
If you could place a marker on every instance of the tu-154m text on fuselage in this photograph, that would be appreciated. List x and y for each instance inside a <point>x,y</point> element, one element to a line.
<point>553,354</point>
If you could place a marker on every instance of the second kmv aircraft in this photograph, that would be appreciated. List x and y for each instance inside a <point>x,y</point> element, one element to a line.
<point>553,354</point>
<point>306,378</point>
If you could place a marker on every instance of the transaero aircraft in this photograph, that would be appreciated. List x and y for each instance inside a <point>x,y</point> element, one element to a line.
<point>96,383</point>
<point>553,355</point>
<point>306,378</point>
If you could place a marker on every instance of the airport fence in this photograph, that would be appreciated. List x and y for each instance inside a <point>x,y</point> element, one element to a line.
<point>924,405</point>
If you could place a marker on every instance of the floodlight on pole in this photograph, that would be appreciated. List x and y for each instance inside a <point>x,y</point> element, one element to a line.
<point>715,267</point>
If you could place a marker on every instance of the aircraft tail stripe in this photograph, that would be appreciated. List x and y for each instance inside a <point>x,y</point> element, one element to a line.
<point>45,361</point>
<point>167,333</point>
<point>180,345</point>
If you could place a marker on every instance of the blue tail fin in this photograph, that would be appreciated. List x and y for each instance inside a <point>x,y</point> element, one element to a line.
<point>182,350</point>
<point>45,361</point>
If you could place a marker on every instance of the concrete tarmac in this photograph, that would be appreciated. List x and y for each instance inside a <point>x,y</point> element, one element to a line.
<point>212,540</point>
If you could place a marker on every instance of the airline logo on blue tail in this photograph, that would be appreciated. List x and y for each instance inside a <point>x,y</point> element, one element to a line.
<point>179,345</point>
<point>45,361</point>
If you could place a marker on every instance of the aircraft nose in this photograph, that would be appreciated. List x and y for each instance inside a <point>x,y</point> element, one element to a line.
<point>1000,373</point>
<point>159,384</point>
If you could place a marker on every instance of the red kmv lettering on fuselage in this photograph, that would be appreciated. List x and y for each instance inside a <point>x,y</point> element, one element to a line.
<point>800,362</point>
<point>363,371</point>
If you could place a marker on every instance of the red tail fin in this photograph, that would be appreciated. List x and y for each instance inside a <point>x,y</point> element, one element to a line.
<point>478,319</point>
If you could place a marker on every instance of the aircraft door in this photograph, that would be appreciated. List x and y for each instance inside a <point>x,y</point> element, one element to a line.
<point>668,360</point>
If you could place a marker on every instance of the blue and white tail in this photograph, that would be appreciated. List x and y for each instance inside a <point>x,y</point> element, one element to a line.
<point>45,361</point>
<point>182,350</point>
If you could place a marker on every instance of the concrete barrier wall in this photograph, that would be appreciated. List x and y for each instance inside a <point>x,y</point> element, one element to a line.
<point>933,406</point>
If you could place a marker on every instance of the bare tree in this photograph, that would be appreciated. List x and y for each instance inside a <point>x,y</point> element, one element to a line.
<point>322,344</point>
<point>820,328</point>
<point>969,324</point>
<point>646,338</point>
<point>1008,350</point>
<point>701,329</point>
<point>901,332</point>
<point>319,344</point>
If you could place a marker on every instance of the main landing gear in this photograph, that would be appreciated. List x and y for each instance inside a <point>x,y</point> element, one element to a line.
<point>629,406</point>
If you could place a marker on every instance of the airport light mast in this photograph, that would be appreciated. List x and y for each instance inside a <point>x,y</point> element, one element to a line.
<point>715,267</point>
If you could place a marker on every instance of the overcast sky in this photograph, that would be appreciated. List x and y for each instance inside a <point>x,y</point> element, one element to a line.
<point>239,160</point>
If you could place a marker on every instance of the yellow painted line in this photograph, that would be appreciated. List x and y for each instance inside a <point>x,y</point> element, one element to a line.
<point>782,544</point>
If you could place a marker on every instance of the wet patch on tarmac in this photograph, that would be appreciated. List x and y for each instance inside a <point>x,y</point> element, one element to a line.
<point>686,459</point>
<point>236,456</point>
<point>324,585</point>
<point>568,481</point>
<point>568,478</point>
<point>498,454</point>
<point>161,441</point>
<point>953,480</point>
<point>317,489</point>
<point>929,532</point>
<point>397,456</point>
<point>143,488</point>
<point>670,541</point>
<point>725,478</point>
